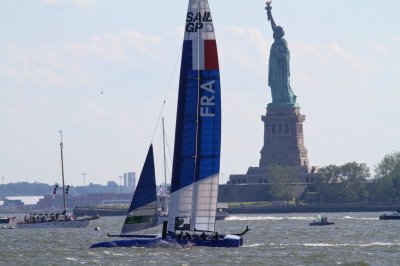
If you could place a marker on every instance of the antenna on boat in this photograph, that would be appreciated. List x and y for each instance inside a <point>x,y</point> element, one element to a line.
<point>84,189</point>
<point>62,170</point>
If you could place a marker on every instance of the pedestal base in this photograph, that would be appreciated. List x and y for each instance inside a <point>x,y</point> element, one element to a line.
<point>283,138</point>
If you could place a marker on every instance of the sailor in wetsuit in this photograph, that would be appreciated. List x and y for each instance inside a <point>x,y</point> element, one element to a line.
<point>180,235</point>
<point>216,236</point>
<point>188,236</point>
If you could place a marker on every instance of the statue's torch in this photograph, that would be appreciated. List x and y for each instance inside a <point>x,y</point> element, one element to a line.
<point>268,8</point>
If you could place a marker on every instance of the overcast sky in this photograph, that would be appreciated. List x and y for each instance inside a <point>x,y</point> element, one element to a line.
<point>100,70</point>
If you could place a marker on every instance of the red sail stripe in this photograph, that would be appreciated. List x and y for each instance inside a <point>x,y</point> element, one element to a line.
<point>211,55</point>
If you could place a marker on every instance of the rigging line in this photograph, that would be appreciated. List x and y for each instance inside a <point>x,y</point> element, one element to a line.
<point>69,169</point>
<point>166,95</point>
<point>54,158</point>
<point>170,157</point>
<point>169,150</point>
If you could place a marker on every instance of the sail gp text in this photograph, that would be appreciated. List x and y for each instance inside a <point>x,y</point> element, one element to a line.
<point>207,102</point>
<point>195,21</point>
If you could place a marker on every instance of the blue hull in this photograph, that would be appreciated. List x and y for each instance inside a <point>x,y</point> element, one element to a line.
<point>155,241</point>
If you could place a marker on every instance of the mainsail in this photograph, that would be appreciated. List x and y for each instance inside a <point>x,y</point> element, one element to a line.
<point>195,172</point>
<point>143,212</point>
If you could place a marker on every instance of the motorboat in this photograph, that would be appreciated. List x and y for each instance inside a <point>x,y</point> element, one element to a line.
<point>4,220</point>
<point>391,216</point>
<point>321,221</point>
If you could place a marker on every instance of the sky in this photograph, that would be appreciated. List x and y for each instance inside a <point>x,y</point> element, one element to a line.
<point>100,70</point>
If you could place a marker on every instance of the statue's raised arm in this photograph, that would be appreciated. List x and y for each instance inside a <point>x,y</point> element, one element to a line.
<point>270,18</point>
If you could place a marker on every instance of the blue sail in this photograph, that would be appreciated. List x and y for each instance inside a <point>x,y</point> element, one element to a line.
<point>198,126</point>
<point>143,212</point>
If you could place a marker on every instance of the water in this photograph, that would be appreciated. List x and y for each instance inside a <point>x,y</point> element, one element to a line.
<point>275,239</point>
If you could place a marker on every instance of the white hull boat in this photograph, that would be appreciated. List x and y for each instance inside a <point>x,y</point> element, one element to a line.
<point>55,224</point>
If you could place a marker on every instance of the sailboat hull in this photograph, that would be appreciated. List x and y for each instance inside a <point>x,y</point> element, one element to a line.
<point>156,241</point>
<point>55,224</point>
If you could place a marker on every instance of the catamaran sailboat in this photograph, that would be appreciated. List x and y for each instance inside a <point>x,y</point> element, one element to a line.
<point>196,162</point>
<point>55,220</point>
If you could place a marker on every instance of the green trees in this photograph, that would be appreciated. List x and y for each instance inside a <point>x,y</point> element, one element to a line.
<point>345,183</point>
<point>387,179</point>
<point>352,183</point>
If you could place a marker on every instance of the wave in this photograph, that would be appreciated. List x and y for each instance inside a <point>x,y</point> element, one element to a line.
<point>112,253</point>
<point>253,245</point>
<point>265,218</point>
<point>359,218</point>
<point>295,218</point>
<point>372,244</point>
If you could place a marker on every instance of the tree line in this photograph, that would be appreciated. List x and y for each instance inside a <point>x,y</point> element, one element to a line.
<point>348,183</point>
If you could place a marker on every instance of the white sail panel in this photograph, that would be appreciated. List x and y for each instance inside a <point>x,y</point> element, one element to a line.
<point>199,21</point>
<point>205,203</point>
<point>181,208</point>
<point>198,61</point>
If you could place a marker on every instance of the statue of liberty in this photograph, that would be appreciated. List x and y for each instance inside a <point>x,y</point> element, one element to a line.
<point>279,70</point>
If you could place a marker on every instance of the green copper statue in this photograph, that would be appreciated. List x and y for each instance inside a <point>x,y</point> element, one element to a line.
<point>279,70</point>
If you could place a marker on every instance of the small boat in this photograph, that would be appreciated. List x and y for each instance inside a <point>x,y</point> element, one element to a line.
<point>4,220</point>
<point>221,214</point>
<point>55,220</point>
<point>321,221</point>
<point>391,216</point>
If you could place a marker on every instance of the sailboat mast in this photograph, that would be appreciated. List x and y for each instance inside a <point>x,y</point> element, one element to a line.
<point>62,171</point>
<point>165,169</point>
<point>197,142</point>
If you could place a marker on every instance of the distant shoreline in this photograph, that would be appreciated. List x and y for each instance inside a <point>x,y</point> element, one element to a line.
<point>311,209</point>
<point>254,210</point>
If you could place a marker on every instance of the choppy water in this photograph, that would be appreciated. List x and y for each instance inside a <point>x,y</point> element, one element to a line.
<point>275,239</point>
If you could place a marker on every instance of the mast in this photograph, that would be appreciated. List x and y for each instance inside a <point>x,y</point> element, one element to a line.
<point>165,169</point>
<point>197,142</point>
<point>62,171</point>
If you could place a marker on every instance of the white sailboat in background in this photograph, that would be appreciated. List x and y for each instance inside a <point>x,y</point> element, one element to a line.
<point>55,220</point>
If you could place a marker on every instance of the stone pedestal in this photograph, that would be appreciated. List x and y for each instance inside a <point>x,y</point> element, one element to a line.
<point>283,146</point>
<point>283,138</point>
